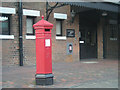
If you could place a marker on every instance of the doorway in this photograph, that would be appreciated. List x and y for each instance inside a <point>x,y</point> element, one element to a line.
<point>88,43</point>
<point>88,34</point>
<point>111,41</point>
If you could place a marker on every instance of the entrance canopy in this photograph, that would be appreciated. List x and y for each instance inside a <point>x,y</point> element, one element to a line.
<point>96,5</point>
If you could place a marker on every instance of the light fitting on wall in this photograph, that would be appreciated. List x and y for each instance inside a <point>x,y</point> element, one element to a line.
<point>104,14</point>
<point>72,15</point>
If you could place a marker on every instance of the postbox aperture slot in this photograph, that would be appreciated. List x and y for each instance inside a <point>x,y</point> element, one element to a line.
<point>47,30</point>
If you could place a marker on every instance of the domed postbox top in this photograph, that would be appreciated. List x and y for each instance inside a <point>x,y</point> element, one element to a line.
<point>43,24</point>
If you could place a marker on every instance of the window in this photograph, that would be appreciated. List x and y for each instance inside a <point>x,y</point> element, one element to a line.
<point>29,26</point>
<point>113,29</point>
<point>58,27</point>
<point>5,23</point>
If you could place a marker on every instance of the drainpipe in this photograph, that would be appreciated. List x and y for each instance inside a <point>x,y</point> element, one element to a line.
<point>20,34</point>
<point>46,10</point>
<point>119,32</point>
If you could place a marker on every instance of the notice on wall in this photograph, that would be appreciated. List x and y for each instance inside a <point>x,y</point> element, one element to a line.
<point>113,39</point>
<point>47,42</point>
<point>70,33</point>
<point>81,41</point>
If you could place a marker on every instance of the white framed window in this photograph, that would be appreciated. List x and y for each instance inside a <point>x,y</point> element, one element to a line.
<point>29,26</point>
<point>5,24</point>
<point>58,27</point>
<point>5,27</point>
<point>60,17</point>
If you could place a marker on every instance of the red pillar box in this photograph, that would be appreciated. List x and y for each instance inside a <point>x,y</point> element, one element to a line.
<point>44,74</point>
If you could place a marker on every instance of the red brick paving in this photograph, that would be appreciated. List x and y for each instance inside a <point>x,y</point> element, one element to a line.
<point>103,74</point>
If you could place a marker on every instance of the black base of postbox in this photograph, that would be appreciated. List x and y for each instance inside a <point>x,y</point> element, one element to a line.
<point>44,79</point>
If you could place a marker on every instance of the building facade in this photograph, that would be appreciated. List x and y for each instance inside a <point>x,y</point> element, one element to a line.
<point>80,31</point>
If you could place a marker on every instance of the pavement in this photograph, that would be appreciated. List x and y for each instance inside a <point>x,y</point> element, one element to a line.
<point>82,74</point>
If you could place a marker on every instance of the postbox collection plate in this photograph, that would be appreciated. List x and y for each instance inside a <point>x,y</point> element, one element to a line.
<point>47,42</point>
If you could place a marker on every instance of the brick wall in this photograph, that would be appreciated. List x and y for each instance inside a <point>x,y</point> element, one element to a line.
<point>10,48</point>
<point>59,52</point>
<point>29,49</point>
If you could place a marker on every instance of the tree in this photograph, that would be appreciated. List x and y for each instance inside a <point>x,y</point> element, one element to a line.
<point>50,8</point>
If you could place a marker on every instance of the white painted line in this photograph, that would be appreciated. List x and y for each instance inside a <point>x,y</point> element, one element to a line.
<point>90,62</point>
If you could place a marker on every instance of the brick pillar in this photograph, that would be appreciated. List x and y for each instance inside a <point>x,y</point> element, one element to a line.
<point>100,38</point>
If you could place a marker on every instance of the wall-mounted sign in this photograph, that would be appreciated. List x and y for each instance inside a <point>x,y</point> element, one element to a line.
<point>81,41</point>
<point>70,33</point>
<point>113,39</point>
